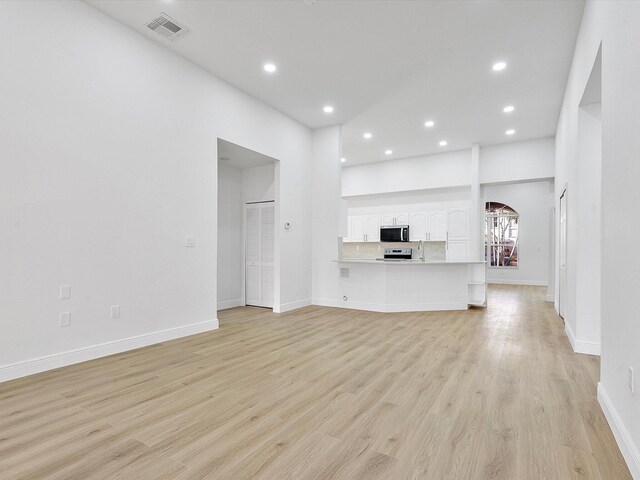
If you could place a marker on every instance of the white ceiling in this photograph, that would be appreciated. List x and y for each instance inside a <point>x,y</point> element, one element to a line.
<point>386,66</point>
<point>240,157</point>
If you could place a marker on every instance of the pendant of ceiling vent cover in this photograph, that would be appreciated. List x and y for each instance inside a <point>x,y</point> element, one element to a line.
<point>168,27</point>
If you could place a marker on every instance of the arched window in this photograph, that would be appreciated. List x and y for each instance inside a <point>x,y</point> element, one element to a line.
<point>501,235</point>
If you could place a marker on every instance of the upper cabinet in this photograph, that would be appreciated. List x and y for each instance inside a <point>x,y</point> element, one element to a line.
<point>458,224</point>
<point>372,228</point>
<point>356,228</point>
<point>438,225</point>
<point>417,226</point>
<point>402,219</point>
<point>363,228</point>
<point>390,219</point>
<point>387,219</point>
<point>448,225</point>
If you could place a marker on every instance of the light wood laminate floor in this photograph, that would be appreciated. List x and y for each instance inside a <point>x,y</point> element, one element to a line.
<point>324,393</point>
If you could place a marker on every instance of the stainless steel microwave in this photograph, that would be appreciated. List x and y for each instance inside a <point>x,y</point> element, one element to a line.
<point>395,233</point>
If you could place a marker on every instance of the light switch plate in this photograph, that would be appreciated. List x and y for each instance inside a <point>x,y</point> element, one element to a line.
<point>65,292</point>
<point>115,311</point>
<point>189,241</point>
<point>65,319</point>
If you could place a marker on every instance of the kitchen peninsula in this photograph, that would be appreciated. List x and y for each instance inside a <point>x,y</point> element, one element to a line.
<point>411,285</point>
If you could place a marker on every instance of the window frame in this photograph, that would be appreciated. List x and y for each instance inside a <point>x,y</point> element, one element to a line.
<point>502,211</point>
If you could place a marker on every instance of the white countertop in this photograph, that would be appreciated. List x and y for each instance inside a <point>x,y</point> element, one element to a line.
<point>408,262</point>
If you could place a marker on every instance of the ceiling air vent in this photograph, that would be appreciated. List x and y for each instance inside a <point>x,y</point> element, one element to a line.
<point>168,27</point>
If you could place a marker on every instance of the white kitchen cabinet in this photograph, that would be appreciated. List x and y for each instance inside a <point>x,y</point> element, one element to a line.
<point>391,219</point>
<point>437,225</point>
<point>372,228</point>
<point>402,219</point>
<point>458,224</point>
<point>417,226</point>
<point>387,219</point>
<point>363,228</point>
<point>457,250</point>
<point>356,228</point>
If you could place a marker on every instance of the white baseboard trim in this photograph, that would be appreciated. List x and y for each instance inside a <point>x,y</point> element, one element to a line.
<point>569,331</point>
<point>504,281</point>
<point>230,304</point>
<point>550,298</point>
<point>588,348</point>
<point>287,307</point>
<point>629,449</point>
<point>70,357</point>
<point>390,308</point>
<point>581,346</point>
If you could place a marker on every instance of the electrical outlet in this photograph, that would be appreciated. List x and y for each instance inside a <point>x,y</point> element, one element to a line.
<point>115,311</point>
<point>189,241</point>
<point>65,319</point>
<point>632,380</point>
<point>65,292</point>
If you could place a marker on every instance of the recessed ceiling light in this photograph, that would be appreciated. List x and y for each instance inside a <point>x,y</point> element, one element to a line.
<point>367,135</point>
<point>343,159</point>
<point>442,143</point>
<point>511,131</point>
<point>429,123</point>
<point>388,152</point>
<point>497,67</point>
<point>508,109</point>
<point>328,109</point>
<point>269,67</point>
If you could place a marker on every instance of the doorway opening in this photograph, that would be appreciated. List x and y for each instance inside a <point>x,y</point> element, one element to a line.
<point>247,215</point>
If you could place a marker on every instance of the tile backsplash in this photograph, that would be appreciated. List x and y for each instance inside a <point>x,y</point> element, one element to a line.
<point>373,250</point>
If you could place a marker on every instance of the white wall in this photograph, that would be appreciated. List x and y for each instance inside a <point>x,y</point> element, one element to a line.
<point>109,159</point>
<point>432,171</point>
<point>458,197</point>
<point>326,205</point>
<point>614,24</point>
<point>588,228</point>
<point>230,237</point>
<point>258,184</point>
<point>518,161</point>
<point>533,201</point>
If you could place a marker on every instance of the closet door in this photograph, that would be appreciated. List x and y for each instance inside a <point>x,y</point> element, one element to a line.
<point>259,255</point>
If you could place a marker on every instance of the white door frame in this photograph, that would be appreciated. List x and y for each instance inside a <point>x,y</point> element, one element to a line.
<point>562,253</point>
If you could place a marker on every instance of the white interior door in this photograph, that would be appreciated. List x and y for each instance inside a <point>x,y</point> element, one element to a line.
<point>259,256</point>
<point>562,294</point>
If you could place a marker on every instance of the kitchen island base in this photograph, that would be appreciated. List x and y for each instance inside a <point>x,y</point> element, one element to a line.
<point>412,286</point>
